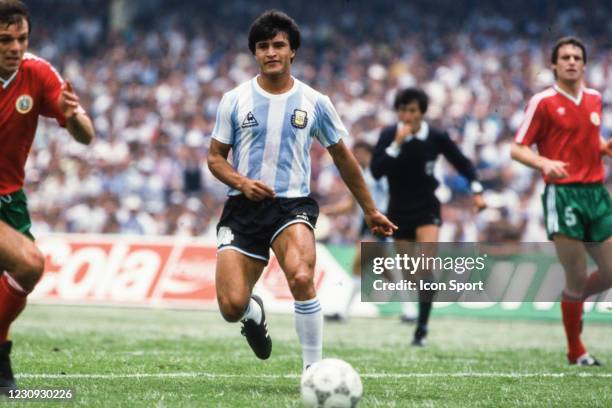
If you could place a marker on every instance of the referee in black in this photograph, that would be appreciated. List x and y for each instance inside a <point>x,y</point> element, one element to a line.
<point>406,153</point>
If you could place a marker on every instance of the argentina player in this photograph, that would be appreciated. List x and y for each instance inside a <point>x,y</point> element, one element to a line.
<point>269,124</point>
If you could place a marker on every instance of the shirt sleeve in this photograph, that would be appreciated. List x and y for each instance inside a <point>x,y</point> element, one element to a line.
<point>224,128</point>
<point>533,123</point>
<point>382,161</point>
<point>52,84</point>
<point>452,153</point>
<point>329,128</point>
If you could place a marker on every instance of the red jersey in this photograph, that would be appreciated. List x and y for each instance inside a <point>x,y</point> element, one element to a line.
<point>32,91</point>
<point>567,129</point>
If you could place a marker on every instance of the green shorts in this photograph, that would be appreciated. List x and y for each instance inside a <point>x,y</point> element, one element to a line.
<point>14,212</point>
<point>580,211</point>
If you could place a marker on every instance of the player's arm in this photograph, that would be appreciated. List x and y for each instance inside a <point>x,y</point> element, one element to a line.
<point>78,124</point>
<point>219,166</point>
<point>550,168</point>
<point>533,128</point>
<point>353,178</point>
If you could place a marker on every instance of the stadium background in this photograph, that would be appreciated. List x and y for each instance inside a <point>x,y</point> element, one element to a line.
<point>152,74</point>
<point>130,219</point>
<point>152,83</point>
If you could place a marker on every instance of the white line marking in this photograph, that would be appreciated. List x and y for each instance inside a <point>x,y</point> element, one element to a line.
<point>581,374</point>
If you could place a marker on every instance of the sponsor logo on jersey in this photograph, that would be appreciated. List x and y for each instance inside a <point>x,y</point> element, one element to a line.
<point>249,121</point>
<point>24,104</point>
<point>224,236</point>
<point>561,110</point>
<point>299,119</point>
<point>595,118</point>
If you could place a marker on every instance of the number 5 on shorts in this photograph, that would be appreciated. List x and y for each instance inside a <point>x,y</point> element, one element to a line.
<point>570,217</point>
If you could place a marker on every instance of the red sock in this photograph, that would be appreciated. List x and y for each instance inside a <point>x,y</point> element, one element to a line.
<point>594,284</point>
<point>571,310</point>
<point>12,302</point>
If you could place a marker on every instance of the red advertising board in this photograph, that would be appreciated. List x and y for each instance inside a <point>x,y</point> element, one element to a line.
<point>141,271</point>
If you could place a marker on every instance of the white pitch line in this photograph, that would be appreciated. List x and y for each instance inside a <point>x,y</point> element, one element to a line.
<point>581,374</point>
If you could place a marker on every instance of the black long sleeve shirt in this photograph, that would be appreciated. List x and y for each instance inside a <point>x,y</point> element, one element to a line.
<point>410,174</point>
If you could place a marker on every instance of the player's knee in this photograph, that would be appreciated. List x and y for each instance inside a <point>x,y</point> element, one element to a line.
<point>31,269</point>
<point>302,282</point>
<point>232,307</point>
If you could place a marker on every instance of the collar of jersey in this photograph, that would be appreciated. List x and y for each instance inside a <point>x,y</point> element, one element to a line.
<point>576,100</point>
<point>421,134</point>
<point>7,82</point>
<point>275,96</point>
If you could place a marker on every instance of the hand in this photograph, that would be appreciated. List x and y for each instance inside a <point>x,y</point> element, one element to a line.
<point>68,101</point>
<point>379,224</point>
<point>479,202</point>
<point>256,190</point>
<point>555,169</point>
<point>606,148</point>
<point>403,131</point>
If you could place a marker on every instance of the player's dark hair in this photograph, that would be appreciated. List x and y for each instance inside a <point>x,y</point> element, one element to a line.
<point>270,23</point>
<point>13,12</point>
<point>565,41</point>
<point>363,145</point>
<point>408,95</point>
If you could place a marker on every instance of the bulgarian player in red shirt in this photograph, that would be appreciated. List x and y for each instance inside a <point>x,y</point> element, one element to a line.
<point>29,87</point>
<point>564,123</point>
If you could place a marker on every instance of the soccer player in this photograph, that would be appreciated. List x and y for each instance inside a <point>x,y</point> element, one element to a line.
<point>269,124</point>
<point>564,123</point>
<point>29,87</point>
<point>406,153</point>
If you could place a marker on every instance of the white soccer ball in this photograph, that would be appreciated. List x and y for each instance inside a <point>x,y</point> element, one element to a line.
<point>331,383</point>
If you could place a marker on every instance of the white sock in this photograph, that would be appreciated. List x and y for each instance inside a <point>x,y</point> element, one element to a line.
<point>309,328</point>
<point>409,309</point>
<point>356,289</point>
<point>252,312</point>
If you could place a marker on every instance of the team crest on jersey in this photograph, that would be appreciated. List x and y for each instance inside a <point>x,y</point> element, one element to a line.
<point>24,104</point>
<point>249,121</point>
<point>595,118</point>
<point>561,110</point>
<point>299,119</point>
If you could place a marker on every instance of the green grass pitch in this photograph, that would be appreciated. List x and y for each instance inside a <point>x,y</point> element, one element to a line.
<point>115,357</point>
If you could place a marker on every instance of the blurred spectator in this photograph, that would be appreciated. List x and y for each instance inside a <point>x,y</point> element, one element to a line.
<point>153,72</point>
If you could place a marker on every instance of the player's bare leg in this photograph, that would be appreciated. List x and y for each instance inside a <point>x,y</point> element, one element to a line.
<point>295,250</point>
<point>573,257</point>
<point>21,266</point>
<point>236,275</point>
<point>20,257</point>
<point>601,279</point>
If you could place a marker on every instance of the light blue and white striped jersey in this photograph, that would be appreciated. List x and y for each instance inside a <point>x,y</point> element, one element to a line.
<point>271,135</point>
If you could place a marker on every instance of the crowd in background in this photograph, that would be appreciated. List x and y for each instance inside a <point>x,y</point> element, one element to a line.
<point>152,73</point>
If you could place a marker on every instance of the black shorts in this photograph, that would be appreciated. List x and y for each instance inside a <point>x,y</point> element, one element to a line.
<point>249,226</point>
<point>408,222</point>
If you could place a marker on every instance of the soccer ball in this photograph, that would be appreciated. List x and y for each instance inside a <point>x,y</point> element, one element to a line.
<point>331,383</point>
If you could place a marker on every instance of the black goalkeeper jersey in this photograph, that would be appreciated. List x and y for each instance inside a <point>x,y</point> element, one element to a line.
<point>410,174</point>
